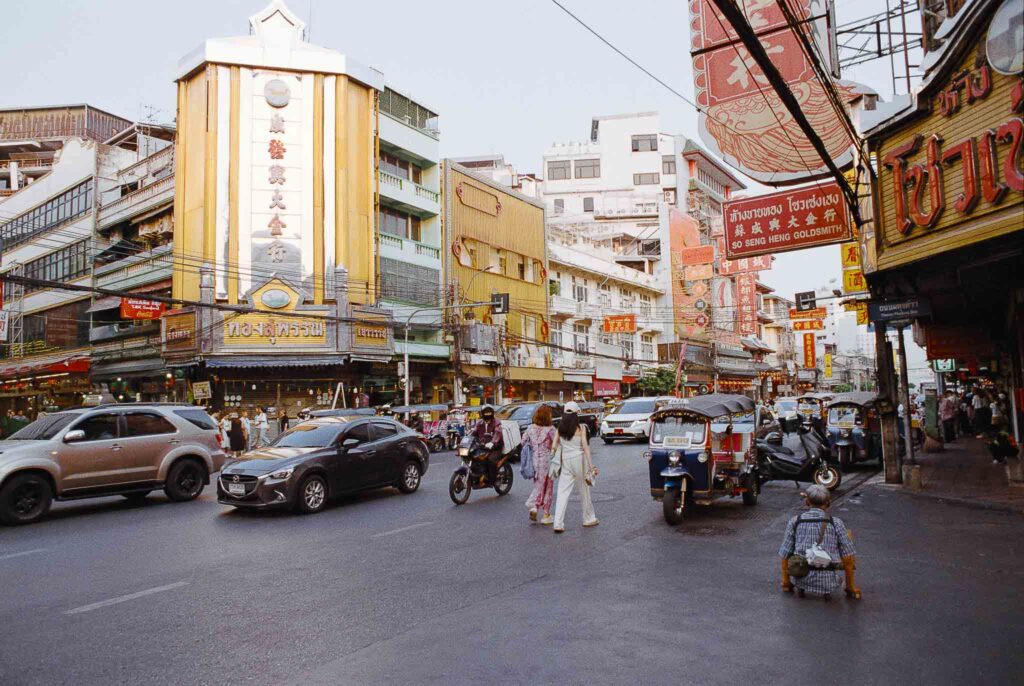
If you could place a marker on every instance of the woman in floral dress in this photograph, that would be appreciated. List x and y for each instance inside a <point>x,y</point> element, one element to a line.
<point>540,435</point>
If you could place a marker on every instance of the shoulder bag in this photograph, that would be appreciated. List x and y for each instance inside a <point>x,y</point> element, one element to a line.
<point>799,566</point>
<point>527,468</point>
<point>555,465</point>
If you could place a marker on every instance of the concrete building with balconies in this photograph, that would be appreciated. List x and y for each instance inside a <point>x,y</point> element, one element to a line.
<point>57,162</point>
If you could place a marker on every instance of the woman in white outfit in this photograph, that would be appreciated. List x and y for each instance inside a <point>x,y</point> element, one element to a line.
<point>576,465</point>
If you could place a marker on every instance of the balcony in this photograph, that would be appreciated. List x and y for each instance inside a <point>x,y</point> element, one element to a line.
<point>562,308</point>
<point>409,251</point>
<point>400,136</point>
<point>407,196</point>
<point>137,202</point>
<point>137,270</point>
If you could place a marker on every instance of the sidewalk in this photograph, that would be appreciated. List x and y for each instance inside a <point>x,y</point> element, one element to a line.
<point>964,473</point>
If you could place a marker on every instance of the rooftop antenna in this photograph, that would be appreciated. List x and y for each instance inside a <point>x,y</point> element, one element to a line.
<point>309,24</point>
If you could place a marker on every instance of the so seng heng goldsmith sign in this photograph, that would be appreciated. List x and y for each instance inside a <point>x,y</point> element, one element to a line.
<point>790,220</point>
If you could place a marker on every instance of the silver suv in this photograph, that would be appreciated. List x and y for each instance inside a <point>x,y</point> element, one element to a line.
<point>123,449</point>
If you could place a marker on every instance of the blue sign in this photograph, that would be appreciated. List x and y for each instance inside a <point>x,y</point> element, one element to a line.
<point>907,309</point>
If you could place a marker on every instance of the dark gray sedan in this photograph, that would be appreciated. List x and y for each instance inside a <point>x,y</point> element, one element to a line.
<point>324,458</point>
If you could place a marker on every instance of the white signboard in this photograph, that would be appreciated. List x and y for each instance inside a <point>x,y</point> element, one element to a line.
<point>201,390</point>
<point>4,318</point>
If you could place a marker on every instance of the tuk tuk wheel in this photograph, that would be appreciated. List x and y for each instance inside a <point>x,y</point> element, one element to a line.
<point>845,457</point>
<point>503,482</point>
<point>828,476</point>
<point>672,506</point>
<point>459,488</point>
<point>436,444</point>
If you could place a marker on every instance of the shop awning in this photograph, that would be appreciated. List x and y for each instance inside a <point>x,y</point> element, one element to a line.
<point>738,353</point>
<point>431,350</point>
<point>732,367</point>
<point>128,367</point>
<point>254,361</point>
<point>478,370</point>
<point>75,364</point>
<point>108,303</point>
<point>579,378</point>
<point>534,374</point>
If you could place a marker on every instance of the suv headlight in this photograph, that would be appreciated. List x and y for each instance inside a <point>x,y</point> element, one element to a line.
<point>281,474</point>
<point>674,457</point>
<point>703,457</point>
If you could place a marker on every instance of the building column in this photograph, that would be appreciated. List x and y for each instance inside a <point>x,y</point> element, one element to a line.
<point>13,167</point>
<point>887,398</point>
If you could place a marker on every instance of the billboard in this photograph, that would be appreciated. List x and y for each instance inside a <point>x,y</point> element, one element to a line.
<point>742,118</point>
<point>619,323</point>
<point>788,220</point>
<point>140,308</point>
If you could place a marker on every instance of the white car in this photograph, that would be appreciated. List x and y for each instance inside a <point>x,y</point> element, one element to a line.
<point>630,420</point>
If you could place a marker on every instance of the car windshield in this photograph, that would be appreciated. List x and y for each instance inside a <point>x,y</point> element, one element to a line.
<point>310,435</point>
<point>516,412</point>
<point>785,406</point>
<point>678,427</point>
<point>809,406</point>
<point>44,428</point>
<point>638,406</point>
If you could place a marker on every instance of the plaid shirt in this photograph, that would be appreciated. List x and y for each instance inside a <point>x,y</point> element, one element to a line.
<point>837,543</point>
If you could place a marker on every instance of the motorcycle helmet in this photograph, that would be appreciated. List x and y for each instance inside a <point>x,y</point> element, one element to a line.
<point>487,412</point>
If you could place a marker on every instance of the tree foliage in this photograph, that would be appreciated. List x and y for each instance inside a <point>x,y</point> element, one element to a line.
<point>661,382</point>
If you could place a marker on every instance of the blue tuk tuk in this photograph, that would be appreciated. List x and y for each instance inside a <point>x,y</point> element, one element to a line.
<point>854,428</point>
<point>702,449</point>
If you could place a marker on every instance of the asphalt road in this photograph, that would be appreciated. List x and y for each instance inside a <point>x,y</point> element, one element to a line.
<point>412,589</point>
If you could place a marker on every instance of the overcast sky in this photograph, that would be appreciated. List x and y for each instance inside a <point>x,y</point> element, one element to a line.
<point>506,77</point>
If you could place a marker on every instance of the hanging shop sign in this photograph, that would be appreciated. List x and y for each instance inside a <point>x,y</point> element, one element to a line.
<point>178,331</point>
<point>606,389</point>
<point>4,320</point>
<point>828,365</point>
<point>703,254</point>
<point>955,175</point>
<point>957,342</point>
<point>790,220</point>
<point>907,309</point>
<point>278,332</point>
<point>690,283</point>
<point>746,300</point>
<point>808,325</point>
<point>201,390</point>
<point>853,281</point>
<point>944,365</point>
<point>816,313</point>
<point>619,323</point>
<point>810,362</point>
<point>139,308</point>
<point>739,118</point>
<point>373,335</point>
<point>727,267</point>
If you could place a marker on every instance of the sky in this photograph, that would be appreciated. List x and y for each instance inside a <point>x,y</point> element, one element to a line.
<point>505,77</point>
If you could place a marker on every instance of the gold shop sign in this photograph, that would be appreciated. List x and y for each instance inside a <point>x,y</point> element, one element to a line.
<point>371,334</point>
<point>267,330</point>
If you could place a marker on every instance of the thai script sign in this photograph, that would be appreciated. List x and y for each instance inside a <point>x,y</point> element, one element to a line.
<point>179,331</point>
<point>704,254</point>
<point>743,120</point>
<point>790,220</point>
<point>371,334</point>
<point>899,310</point>
<point>263,329</point>
<point>140,308</point>
<point>619,323</point>
<point>816,313</point>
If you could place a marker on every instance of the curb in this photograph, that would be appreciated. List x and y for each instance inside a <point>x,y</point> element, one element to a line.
<point>969,503</point>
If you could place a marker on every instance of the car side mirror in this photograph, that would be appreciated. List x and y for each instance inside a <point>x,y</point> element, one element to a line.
<point>74,436</point>
<point>349,443</point>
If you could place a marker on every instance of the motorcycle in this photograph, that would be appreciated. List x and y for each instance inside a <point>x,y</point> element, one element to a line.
<point>796,454</point>
<point>472,473</point>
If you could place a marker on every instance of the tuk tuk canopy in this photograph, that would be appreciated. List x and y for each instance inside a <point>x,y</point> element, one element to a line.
<point>862,398</point>
<point>711,406</point>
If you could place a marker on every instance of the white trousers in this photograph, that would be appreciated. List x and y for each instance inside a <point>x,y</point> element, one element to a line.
<point>572,473</point>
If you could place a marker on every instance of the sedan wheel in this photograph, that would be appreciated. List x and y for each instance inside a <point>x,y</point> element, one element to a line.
<point>312,494</point>
<point>410,480</point>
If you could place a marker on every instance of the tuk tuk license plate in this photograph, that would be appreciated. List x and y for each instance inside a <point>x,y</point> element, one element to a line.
<point>618,431</point>
<point>236,489</point>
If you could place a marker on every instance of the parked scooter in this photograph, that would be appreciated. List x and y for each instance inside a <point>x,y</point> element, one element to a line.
<point>797,454</point>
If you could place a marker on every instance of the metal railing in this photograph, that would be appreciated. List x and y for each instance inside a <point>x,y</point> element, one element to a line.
<point>407,245</point>
<point>388,179</point>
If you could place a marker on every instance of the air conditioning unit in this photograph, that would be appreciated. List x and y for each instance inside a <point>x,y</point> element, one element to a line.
<point>670,197</point>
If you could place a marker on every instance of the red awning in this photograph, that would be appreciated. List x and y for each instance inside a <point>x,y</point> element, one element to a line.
<point>628,379</point>
<point>75,364</point>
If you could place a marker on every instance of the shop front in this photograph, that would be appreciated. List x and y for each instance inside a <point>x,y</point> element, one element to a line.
<point>947,250</point>
<point>530,383</point>
<point>45,383</point>
<point>735,371</point>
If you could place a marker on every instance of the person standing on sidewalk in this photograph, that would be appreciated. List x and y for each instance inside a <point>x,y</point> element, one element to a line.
<point>577,467</point>
<point>947,413</point>
<point>982,413</point>
<point>540,436</point>
<point>260,425</point>
<point>247,427</point>
<point>816,526</point>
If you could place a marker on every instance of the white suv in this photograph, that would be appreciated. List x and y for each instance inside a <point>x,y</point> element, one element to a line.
<point>119,449</point>
<point>630,420</point>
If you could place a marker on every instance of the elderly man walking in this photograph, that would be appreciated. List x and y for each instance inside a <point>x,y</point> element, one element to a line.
<point>815,547</point>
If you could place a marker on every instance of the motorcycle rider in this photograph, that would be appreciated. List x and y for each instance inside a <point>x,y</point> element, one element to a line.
<point>487,432</point>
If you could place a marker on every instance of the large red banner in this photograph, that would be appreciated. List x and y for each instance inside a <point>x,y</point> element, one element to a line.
<point>139,308</point>
<point>744,121</point>
<point>790,220</point>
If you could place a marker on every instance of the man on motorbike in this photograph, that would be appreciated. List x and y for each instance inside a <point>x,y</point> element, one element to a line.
<point>488,433</point>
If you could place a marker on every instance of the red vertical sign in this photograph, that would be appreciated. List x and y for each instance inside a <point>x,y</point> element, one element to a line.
<point>809,359</point>
<point>746,303</point>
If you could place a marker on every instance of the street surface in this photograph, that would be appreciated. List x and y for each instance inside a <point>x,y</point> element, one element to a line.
<point>386,588</point>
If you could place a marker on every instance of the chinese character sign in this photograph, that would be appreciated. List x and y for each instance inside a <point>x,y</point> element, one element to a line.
<point>743,119</point>
<point>790,220</point>
<point>746,304</point>
<point>690,281</point>
<point>810,362</point>
<point>808,325</point>
<point>620,323</point>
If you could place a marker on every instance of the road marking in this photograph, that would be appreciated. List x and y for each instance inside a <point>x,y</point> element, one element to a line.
<point>125,598</point>
<point>404,528</point>
<point>23,552</point>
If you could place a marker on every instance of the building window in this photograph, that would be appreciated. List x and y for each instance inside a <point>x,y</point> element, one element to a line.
<point>409,283</point>
<point>646,179</point>
<point>66,264</point>
<point>54,212</point>
<point>645,143</point>
<point>559,170</point>
<point>647,346</point>
<point>605,338</point>
<point>559,207</point>
<point>645,306</point>
<point>588,204</point>
<point>579,290</point>
<point>399,224</point>
<point>604,294</point>
<point>396,166</point>
<point>626,341</point>
<point>580,343</point>
<point>554,287</point>
<point>668,164</point>
<point>588,169</point>
<point>555,335</point>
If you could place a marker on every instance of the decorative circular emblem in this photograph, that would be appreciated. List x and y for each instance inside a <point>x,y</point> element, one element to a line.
<point>275,298</point>
<point>277,93</point>
<point>700,305</point>
<point>235,478</point>
<point>1004,44</point>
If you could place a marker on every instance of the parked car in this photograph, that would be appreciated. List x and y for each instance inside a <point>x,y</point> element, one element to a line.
<point>590,416</point>
<point>323,458</point>
<point>630,420</point>
<point>118,449</point>
<point>522,413</point>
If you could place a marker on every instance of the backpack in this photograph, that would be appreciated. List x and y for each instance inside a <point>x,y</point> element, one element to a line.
<point>526,456</point>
